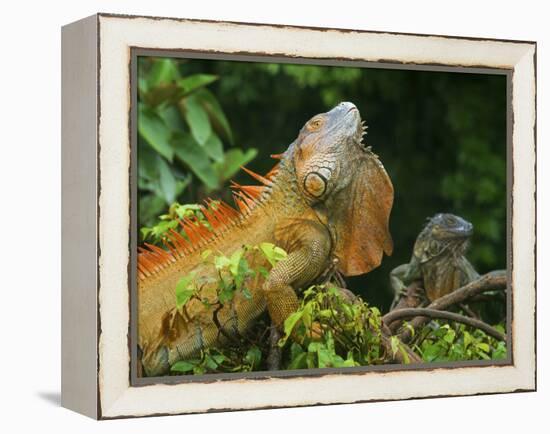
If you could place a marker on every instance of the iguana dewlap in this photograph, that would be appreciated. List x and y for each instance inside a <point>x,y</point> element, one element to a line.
<point>328,198</point>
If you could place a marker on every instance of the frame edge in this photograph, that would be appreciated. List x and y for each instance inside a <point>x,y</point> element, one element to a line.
<point>79,102</point>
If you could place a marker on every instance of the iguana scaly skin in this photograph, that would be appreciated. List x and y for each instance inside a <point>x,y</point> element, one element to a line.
<point>438,259</point>
<point>328,200</point>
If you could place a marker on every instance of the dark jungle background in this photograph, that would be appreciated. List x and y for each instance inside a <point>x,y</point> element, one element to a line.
<point>440,135</point>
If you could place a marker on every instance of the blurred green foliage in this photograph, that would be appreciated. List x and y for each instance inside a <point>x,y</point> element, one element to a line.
<point>440,135</point>
<point>180,130</point>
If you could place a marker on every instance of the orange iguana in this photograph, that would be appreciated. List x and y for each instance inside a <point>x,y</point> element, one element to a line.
<point>327,201</point>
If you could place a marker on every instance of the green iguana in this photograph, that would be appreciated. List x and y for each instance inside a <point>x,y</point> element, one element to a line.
<point>327,201</point>
<point>438,259</point>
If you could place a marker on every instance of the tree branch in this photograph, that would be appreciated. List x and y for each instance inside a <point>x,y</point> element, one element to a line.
<point>493,281</point>
<point>442,314</point>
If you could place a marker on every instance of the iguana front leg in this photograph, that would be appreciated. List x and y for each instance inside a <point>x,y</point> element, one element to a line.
<point>397,285</point>
<point>400,277</point>
<point>308,245</point>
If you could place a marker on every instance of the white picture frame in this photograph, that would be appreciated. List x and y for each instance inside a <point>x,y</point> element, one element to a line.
<point>96,245</point>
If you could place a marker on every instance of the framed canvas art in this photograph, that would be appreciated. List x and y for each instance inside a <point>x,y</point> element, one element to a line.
<point>261,216</point>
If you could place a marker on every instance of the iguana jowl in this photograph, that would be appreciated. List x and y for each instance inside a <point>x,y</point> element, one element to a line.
<point>328,198</point>
<point>438,259</point>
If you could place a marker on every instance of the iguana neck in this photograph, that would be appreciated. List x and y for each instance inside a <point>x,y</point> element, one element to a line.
<point>445,273</point>
<point>284,196</point>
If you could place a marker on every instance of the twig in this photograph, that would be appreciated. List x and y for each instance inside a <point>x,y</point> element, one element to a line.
<point>468,311</point>
<point>220,328</point>
<point>274,354</point>
<point>385,337</point>
<point>442,314</point>
<point>331,273</point>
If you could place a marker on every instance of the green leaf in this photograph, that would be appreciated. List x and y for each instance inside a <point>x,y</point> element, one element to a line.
<point>234,261</point>
<point>272,253</point>
<point>324,357</point>
<point>468,339</point>
<point>299,362</point>
<point>243,271</point>
<point>290,322</point>
<point>197,119</point>
<point>163,71</point>
<point>404,354</point>
<point>226,294</point>
<point>408,326</point>
<point>147,161</point>
<point>155,132</point>
<point>185,288</point>
<point>185,210</point>
<point>307,314</point>
<point>253,357</point>
<point>164,95</point>
<point>199,370</point>
<point>196,81</point>
<point>210,362</point>
<point>150,206</point>
<point>182,366</point>
<point>214,148</point>
<point>218,358</point>
<point>483,346</point>
<point>171,116</point>
<point>157,232</point>
<point>295,350</point>
<point>394,341</point>
<point>484,355</point>
<point>221,262</point>
<point>142,85</point>
<point>167,181</point>
<point>196,159</point>
<point>430,352</point>
<point>160,86</point>
<point>214,110</point>
<point>500,351</point>
<point>450,336</point>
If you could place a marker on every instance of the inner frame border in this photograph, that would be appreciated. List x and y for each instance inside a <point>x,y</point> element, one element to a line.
<point>136,51</point>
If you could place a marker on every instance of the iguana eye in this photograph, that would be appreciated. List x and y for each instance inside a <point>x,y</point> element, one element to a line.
<point>450,221</point>
<point>314,124</point>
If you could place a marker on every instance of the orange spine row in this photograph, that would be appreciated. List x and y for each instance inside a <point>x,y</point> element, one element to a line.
<point>196,233</point>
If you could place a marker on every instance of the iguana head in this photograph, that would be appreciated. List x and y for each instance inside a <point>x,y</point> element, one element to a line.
<point>346,185</point>
<point>443,234</point>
